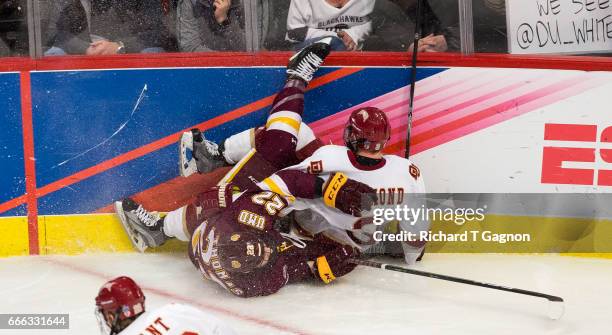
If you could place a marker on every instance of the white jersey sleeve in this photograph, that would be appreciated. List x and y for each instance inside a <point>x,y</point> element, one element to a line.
<point>393,179</point>
<point>177,319</point>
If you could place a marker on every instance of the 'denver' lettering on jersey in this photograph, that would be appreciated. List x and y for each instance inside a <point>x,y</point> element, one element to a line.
<point>251,219</point>
<point>158,327</point>
<point>390,196</point>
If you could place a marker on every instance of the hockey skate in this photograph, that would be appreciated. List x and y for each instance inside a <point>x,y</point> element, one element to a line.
<point>307,61</point>
<point>144,228</point>
<point>197,154</point>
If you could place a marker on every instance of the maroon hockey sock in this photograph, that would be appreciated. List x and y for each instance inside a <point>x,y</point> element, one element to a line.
<point>278,142</point>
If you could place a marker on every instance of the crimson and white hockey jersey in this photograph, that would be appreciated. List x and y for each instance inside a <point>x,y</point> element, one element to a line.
<point>393,178</point>
<point>177,319</point>
<point>322,19</point>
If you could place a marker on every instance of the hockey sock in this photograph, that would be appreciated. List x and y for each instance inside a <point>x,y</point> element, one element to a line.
<point>175,224</point>
<point>237,146</point>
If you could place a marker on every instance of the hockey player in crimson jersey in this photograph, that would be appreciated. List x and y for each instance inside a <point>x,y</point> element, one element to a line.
<point>120,309</point>
<point>236,239</point>
<point>394,179</point>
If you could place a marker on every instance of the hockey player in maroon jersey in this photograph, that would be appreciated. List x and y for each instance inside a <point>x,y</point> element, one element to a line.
<point>246,248</point>
<point>235,236</point>
<point>397,181</point>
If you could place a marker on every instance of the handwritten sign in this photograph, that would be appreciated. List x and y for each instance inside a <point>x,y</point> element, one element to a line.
<point>559,26</point>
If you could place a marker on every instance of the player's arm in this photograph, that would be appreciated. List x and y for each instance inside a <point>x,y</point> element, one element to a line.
<point>341,192</point>
<point>320,261</point>
<point>360,32</point>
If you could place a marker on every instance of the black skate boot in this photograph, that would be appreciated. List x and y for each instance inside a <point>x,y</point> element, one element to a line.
<point>206,155</point>
<point>144,228</point>
<point>307,61</point>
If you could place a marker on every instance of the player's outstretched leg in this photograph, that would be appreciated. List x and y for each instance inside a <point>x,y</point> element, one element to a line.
<point>278,142</point>
<point>144,228</point>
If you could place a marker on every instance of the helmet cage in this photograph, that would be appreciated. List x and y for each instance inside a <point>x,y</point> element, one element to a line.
<point>354,144</point>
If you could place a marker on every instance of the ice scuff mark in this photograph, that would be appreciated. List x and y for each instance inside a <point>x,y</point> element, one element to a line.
<point>142,95</point>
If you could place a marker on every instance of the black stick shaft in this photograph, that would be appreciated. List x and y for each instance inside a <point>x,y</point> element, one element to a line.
<point>413,73</point>
<point>453,279</point>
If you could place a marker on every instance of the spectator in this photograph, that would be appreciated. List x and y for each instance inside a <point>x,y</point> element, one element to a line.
<point>273,18</point>
<point>106,27</point>
<point>489,24</point>
<point>205,25</point>
<point>394,27</point>
<point>13,28</point>
<point>4,49</point>
<point>347,21</point>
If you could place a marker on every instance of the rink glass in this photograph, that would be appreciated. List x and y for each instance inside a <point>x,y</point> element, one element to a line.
<point>34,27</point>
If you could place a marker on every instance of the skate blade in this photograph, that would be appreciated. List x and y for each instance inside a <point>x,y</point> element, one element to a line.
<point>187,166</point>
<point>137,241</point>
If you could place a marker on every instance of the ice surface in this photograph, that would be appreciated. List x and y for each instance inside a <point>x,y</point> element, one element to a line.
<point>368,301</point>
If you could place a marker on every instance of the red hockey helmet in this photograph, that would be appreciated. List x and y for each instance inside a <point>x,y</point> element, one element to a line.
<point>122,298</point>
<point>243,251</point>
<point>368,129</point>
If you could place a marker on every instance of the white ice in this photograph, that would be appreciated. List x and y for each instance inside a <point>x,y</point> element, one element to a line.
<point>367,301</point>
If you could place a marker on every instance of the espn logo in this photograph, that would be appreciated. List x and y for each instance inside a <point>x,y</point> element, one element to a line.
<point>586,150</point>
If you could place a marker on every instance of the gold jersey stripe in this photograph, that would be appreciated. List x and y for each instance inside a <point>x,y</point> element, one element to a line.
<point>286,120</point>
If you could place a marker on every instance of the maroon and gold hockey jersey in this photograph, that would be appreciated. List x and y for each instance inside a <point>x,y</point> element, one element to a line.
<point>255,212</point>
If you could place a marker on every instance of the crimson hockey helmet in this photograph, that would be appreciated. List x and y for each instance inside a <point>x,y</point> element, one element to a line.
<point>122,298</point>
<point>243,251</point>
<point>368,129</point>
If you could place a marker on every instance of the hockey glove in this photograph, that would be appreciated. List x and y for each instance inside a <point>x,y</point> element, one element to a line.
<point>335,263</point>
<point>347,195</point>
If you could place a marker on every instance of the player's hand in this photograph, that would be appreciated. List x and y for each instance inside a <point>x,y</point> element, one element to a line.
<point>431,43</point>
<point>349,44</point>
<point>335,263</point>
<point>102,47</point>
<point>221,9</point>
<point>347,195</point>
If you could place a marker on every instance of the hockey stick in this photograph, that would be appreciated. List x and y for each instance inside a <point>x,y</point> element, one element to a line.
<point>415,49</point>
<point>553,314</point>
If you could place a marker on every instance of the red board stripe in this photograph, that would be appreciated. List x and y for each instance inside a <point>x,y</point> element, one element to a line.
<point>29,161</point>
<point>421,137</point>
<point>12,203</point>
<point>168,140</point>
<point>216,59</point>
<point>570,132</point>
<point>466,104</point>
